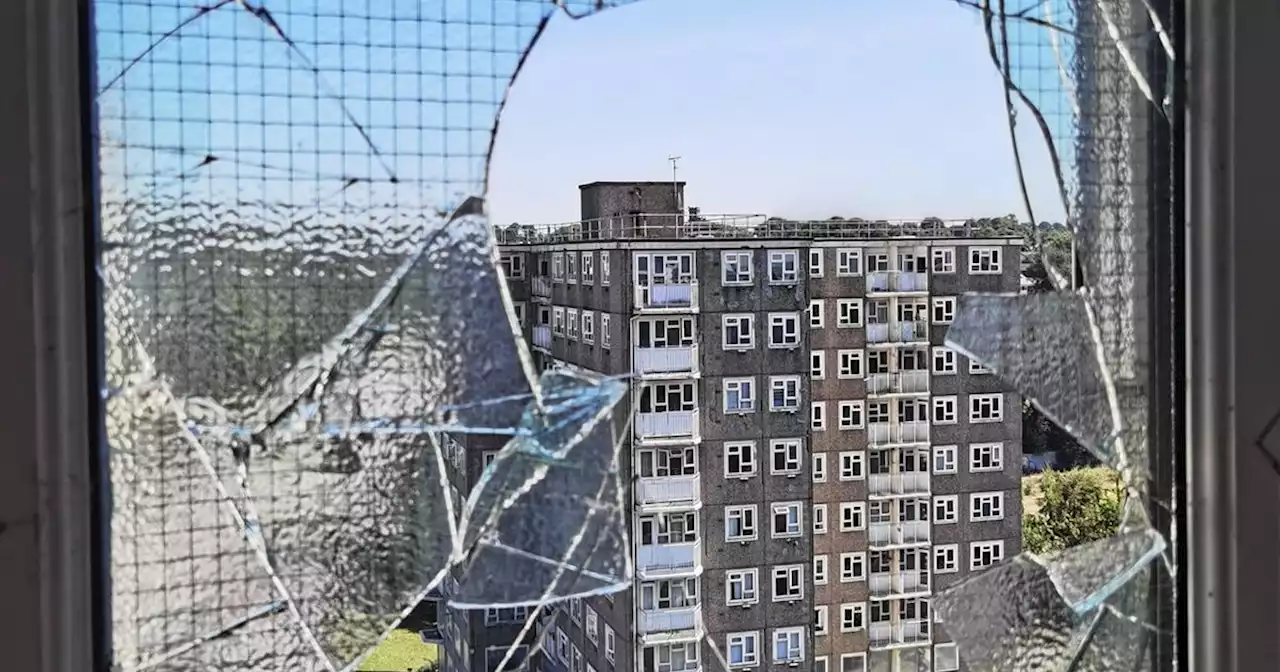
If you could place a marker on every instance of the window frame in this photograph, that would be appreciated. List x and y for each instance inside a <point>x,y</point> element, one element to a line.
<point>858,407</point>
<point>949,502</point>
<point>818,357</point>
<point>739,319</point>
<point>997,464</point>
<point>780,256</point>
<point>791,403</point>
<point>855,356</point>
<point>849,262</point>
<point>857,460</point>
<point>858,513</point>
<point>786,508</point>
<point>725,257</point>
<point>730,447</point>
<point>861,655</point>
<point>997,557</point>
<point>821,560</point>
<point>745,406</point>
<point>817,313</point>
<point>948,257</point>
<point>589,327</point>
<point>791,632</point>
<point>816,270</point>
<point>818,467</point>
<point>786,445</point>
<point>783,318</point>
<point>948,355</point>
<point>606,339</point>
<point>954,654</point>
<point>945,409</point>
<point>949,551</point>
<point>975,402</point>
<point>819,516</point>
<point>752,636</point>
<point>853,616</point>
<point>846,306</point>
<point>856,559</point>
<point>942,451</point>
<point>976,501</point>
<point>946,304</point>
<point>817,416</point>
<point>748,516</point>
<point>790,572</point>
<point>741,574</point>
<point>995,260</point>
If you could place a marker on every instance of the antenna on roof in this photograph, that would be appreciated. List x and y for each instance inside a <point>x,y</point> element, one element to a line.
<point>675,183</point>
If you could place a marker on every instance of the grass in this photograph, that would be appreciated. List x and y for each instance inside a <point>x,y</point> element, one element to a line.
<point>402,650</point>
<point>1031,486</point>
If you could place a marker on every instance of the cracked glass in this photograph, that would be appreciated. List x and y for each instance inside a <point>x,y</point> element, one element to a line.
<point>323,413</point>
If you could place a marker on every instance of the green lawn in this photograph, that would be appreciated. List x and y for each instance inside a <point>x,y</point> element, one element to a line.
<point>402,650</point>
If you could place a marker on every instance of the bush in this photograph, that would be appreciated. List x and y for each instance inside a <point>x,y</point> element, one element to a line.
<point>1076,507</point>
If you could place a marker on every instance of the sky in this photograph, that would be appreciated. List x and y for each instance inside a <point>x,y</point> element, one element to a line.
<point>870,108</point>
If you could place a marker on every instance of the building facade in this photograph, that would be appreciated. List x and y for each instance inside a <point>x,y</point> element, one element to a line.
<point>809,461</point>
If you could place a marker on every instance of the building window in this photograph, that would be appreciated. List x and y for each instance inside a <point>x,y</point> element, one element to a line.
<point>740,523</point>
<point>820,569</point>
<point>743,648</point>
<point>977,368</point>
<point>571,323</point>
<point>784,330</point>
<point>735,268</point>
<point>986,506</point>
<point>983,554</point>
<point>819,518</point>
<point>851,414</point>
<point>984,260</point>
<point>571,267</point>
<point>853,662</point>
<point>848,313</point>
<point>945,509</point>
<point>740,587</point>
<point>818,416</point>
<point>851,465</point>
<point>588,267</point>
<point>817,364</point>
<point>604,267</point>
<point>944,559</point>
<point>850,364</point>
<point>518,308</point>
<point>944,459</point>
<point>986,457</point>
<point>819,617</point>
<point>944,260</point>
<point>513,266</point>
<point>853,567</point>
<point>557,266</point>
<point>739,460</point>
<point>879,412</point>
<point>815,314</point>
<point>588,327</point>
<point>853,616</point>
<point>577,660</point>
<point>788,583</point>
<point>819,467</point>
<point>557,321</point>
<point>784,393</point>
<point>853,516</point>
<point>946,658</point>
<point>986,407</point>
<point>788,645</point>
<point>786,457</point>
<point>815,263</point>
<point>739,395</point>
<point>575,611</point>
<point>944,309</point>
<point>562,646</point>
<point>786,520</point>
<point>784,267</point>
<point>944,360</point>
<point>738,334</point>
<point>820,664</point>
<point>510,615</point>
<point>609,644</point>
<point>944,410</point>
<point>593,626</point>
<point>848,263</point>
<point>606,334</point>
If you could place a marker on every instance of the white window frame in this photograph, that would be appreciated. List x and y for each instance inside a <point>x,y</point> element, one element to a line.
<point>518,308</point>
<point>750,653</point>
<point>606,335</point>
<point>853,415</point>
<point>944,410</point>
<point>851,364</point>
<point>947,306</point>
<point>852,466</point>
<point>986,449</point>
<point>745,389</point>
<point>588,267</point>
<point>819,518</point>
<point>979,500</point>
<point>593,626</point>
<point>991,257</point>
<point>821,626</point>
<point>952,653</point>
<point>783,319</point>
<point>853,616</point>
<point>853,516</point>
<point>995,401</point>
<point>794,574</point>
<point>820,664</point>
<point>862,655</point>
<point>557,266</point>
<point>848,262</point>
<point>737,447</point>
<point>786,509</point>
<point>571,323</point>
<point>818,462</point>
<point>742,576</point>
<point>945,455</point>
<point>978,548</point>
<point>749,523</point>
<point>946,559</point>
<point>820,569</point>
<point>816,315</point>
<point>604,268</point>
<point>610,642</point>
<point>738,319</point>
<point>816,262</point>
<point>557,321</point>
<point>790,388</point>
<point>942,260</point>
<point>818,416</point>
<point>792,452</point>
<point>853,567</point>
<point>977,368</point>
<point>789,635</point>
<point>588,327</point>
<point>943,361</point>
<point>817,364</point>
<point>781,257</point>
<point>736,258</point>
<point>571,267</point>
<point>846,307</point>
<point>946,509</point>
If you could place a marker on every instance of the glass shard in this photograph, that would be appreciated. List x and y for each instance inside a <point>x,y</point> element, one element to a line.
<point>1087,575</point>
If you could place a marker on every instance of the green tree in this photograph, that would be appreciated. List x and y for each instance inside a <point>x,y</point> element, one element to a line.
<point>1076,507</point>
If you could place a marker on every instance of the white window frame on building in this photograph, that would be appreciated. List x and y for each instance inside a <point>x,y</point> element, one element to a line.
<point>946,559</point>
<point>944,310</point>
<point>784,394</point>
<point>986,456</point>
<point>819,464</point>
<point>946,658</point>
<point>786,457</point>
<point>816,314</point>
<point>784,267</point>
<point>853,516</point>
<point>943,260</point>
<point>820,570</point>
<point>571,267</point>
<point>819,615</point>
<point>848,262</point>
<point>571,323</point>
<point>986,506</point>
<point>745,452</point>
<point>610,643</point>
<point>853,616</point>
<point>851,364</point>
<point>746,581</point>
<point>733,325</point>
<point>557,321</point>
<point>853,567</point>
<point>853,662</point>
<point>513,265</point>
<point>606,338</point>
<point>853,414</point>
<point>946,509</point>
<point>742,649</point>
<point>787,520</point>
<point>815,262</point>
<point>748,525</point>
<point>817,364</point>
<point>793,577</point>
<point>604,268</point>
<point>588,327</point>
<point>818,416</point>
<point>557,266</point>
<point>853,465</point>
<point>944,360</point>
<point>985,260</point>
<point>736,268</point>
<point>984,554</point>
<point>786,326</point>
<point>848,313</point>
<point>944,410</point>
<point>944,459</point>
<point>985,408</point>
<point>788,645</point>
<point>977,368</point>
<point>739,396</point>
<point>588,267</point>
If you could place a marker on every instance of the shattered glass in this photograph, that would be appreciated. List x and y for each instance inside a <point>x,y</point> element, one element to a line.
<point>305,326</point>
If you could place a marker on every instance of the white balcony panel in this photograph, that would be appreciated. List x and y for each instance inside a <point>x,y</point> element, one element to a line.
<point>667,425</point>
<point>903,483</point>
<point>890,433</point>
<point>898,534</point>
<point>665,360</point>
<point>667,296</point>
<point>669,620</point>
<point>541,286</point>
<point>668,490</point>
<point>898,382</point>
<point>878,281</point>
<point>667,559</point>
<point>898,583</point>
<point>902,633</point>
<point>542,336</point>
<point>905,281</point>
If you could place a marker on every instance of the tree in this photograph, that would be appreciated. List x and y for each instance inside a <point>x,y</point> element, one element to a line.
<point>1076,507</point>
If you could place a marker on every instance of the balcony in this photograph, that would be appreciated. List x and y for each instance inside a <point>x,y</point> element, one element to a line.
<point>897,282</point>
<point>906,483</point>
<point>667,297</point>
<point>663,361</point>
<point>540,287</point>
<point>913,583</point>
<point>902,634</point>
<point>908,533</point>
<point>898,382</point>
<point>668,492</point>
<point>886,434</point>
<point>542,336</point>
<point>667,426</point>
<point>658,626</point>
<point>898,332</point>
<point>664,560</point>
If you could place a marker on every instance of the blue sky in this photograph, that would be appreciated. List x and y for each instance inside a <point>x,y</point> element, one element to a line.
<point>873,108</point>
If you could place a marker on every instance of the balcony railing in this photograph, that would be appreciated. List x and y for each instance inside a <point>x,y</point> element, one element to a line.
<point>670,623</point>
<point>898,382</point>
<point>897,584</point>
<point>897,433</point>
<point>898,534</point>
<point>667,425</point>
<point>904,483</point>
<point>667,296</point>
<point>541,286</point>
<point>673,490</point>
<point>648,361</point>
<point>660,560</point>
<point>898,332</point>
<point>667,226</point>
<point>542,336</point>
<point>897,281</point>
<point>903,633</point>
